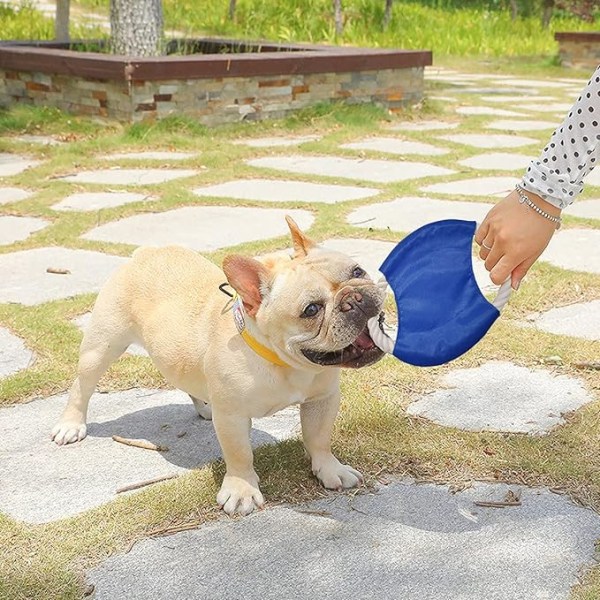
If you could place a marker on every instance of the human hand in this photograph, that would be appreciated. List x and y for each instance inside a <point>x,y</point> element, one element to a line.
<point>513,236</point>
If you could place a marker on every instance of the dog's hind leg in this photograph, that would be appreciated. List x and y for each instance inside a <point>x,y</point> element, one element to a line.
<point>202,408</point>
<point>104,340</point>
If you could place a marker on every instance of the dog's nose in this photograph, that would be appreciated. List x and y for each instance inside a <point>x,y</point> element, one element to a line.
<point>349,300</point>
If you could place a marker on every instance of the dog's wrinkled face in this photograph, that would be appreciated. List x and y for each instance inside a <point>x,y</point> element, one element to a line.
<point>313,307</point>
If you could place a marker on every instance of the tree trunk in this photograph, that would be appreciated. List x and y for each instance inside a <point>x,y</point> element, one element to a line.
<point>232,10</point>
<point>547,9</point>
<point>136,27</point>
<point>337,12</point>
<point>387,15</point>
<point>61,23</point>
<point>514,10</point>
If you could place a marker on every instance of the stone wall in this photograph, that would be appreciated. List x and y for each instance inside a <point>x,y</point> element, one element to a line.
<point>579,50</point>
<point>211,101</point>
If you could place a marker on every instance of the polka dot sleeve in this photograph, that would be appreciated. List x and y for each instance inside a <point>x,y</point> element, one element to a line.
<point>557,175</point>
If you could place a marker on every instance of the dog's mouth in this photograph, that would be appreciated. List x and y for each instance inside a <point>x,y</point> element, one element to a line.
<point>360,353</point>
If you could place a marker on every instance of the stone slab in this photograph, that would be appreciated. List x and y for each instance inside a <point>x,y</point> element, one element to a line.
<point>379,171</point>
<point>406,541</point>
<point>497,161</point>
<point>506,125</point>
<point>587,209</point>
<point>25,280</point>
<point>423,125</point>
<point>534,83</point>
<point>15,229</point>
<point>129,176</point>
<point>555,107</point>
<point>497,187</point>
<point>274,190</point>
<point>157,155</point>
<point>575,249</point>
<point>489,140</point>
<point>202,228</point>
<point>82,321</point>
<point>516,100</point>
<point>14,355</point>
<point>92,201</point>
<point>13,164</point>
<point>408,214</point>
<point>396,146</point>
<point>12,194</point>
<point>581,320</point>
<point>487,110</point>
<point>273,142</point>
<point>501,396</point>
<point>48,482</point>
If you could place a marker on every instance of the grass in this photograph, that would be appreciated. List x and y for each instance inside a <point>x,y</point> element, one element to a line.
<point>448,28</point>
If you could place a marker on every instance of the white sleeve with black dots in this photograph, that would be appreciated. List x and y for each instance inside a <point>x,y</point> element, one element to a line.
<point>558,174</point>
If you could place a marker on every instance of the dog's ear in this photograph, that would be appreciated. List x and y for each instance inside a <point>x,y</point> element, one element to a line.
<point>246,276</point>
<point>302,244</point>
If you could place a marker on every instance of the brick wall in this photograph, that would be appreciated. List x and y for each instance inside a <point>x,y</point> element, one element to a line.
<point>211,101</point>
<point>579,50</point>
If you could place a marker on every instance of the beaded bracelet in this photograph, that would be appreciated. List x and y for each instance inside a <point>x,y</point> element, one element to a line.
<point>524,199</point>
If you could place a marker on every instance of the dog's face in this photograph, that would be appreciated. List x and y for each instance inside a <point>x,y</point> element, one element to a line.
<point>312,308</point>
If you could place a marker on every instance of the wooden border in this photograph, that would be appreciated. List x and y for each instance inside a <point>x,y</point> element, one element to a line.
<point>281,59</point>
<point>577,36</point>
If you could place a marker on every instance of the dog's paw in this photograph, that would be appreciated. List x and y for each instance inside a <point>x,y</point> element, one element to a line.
<point>67,432</point>
<point>239,496</point>
<point>334,475</point>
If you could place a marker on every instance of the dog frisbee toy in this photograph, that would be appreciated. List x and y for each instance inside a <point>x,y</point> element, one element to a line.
<point>442,313</point>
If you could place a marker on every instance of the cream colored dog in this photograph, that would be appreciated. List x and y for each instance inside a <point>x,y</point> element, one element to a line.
<point>301,318</point>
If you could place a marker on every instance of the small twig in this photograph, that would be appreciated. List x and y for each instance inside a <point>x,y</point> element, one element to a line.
<point>58,271</point>
<point>135,486</point>
<point>490,504</point>
<point>175,529</point>
<point>139,444</point>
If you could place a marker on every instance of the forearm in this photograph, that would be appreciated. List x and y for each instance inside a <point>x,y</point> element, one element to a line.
<point>557,175</point>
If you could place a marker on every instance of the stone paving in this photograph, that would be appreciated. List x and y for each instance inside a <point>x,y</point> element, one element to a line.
<point>407,540</point>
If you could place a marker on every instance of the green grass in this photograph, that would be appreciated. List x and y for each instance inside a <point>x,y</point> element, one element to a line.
<point>448,28</point>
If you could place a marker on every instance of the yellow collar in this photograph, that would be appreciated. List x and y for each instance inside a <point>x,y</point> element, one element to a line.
<point>260,349</point>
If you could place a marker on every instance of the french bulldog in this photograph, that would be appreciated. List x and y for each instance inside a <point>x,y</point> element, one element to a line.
<point>298,318</point>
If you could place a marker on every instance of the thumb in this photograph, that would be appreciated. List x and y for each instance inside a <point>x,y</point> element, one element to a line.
<point>520,271</point>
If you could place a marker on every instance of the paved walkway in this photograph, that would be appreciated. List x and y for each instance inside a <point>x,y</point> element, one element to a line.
<point>406,541</point>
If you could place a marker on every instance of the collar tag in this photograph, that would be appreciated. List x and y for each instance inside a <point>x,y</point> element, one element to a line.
<point>238,315</point>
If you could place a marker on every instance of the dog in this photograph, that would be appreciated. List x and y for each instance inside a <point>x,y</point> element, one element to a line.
<point>298,318</point>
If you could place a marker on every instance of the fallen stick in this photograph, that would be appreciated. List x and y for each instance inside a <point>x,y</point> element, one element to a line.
<point>587,365</point>
<point>490,504</point>
<point>57,271</point>
<point>139,444</point>
<point>135,486</point>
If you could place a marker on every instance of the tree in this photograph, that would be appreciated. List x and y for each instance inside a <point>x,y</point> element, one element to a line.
<point>61,23</point>
<point>136,27</point>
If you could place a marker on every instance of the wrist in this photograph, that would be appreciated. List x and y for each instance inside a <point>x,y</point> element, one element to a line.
<point>538,205</point>
<point>546,206</point>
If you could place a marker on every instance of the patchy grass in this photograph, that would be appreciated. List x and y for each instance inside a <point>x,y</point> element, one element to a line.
<point>373,431</point>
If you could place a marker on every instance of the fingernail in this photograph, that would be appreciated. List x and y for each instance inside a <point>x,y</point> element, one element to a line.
<point>517,284</point>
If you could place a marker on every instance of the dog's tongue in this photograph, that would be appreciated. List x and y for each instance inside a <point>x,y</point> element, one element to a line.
<point>364,341</point>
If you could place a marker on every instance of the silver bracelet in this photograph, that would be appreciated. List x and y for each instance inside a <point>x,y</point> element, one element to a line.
<point>524,199</point>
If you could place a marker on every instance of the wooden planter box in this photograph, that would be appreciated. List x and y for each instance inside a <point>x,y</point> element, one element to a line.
<point>580,50</point>
<point>215,80</point>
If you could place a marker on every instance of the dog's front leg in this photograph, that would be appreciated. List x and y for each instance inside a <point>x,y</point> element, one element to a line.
<point>239,492</point>
<point>317,418</point>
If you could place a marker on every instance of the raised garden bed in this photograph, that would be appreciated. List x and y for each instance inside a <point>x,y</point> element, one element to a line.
<point>213,80</point>
<point>580,50</point>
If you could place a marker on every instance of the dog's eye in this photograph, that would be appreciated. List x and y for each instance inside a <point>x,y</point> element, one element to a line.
<point>358,273</point>
<point>311,310</point>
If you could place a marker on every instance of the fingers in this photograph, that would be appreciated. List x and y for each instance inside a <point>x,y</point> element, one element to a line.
<point>520,271</point>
